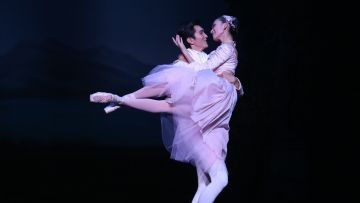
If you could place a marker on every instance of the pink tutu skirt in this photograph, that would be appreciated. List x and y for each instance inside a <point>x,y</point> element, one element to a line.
<point>197,131</point>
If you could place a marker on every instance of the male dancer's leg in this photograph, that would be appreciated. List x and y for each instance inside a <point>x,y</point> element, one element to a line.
<point>218,180</point>
<point>202,182</point>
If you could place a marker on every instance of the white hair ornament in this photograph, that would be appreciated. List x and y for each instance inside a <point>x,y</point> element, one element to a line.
<point>230,20</point>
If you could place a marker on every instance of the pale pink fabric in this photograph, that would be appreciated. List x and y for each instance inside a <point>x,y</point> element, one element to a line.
<point>202,104</point>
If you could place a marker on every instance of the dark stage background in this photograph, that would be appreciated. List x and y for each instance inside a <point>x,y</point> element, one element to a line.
<point>57,146</point>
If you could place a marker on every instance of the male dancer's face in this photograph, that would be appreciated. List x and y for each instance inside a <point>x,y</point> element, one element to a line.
<point>199,42</point>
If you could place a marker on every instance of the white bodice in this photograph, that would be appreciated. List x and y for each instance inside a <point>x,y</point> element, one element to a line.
<point>224,58</point>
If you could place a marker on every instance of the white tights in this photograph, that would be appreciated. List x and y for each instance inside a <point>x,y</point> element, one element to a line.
<point>219,179</point>
<point>203,181</point>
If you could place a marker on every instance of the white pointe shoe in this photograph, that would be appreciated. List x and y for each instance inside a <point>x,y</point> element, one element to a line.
<point>104,97</point>
<point>101,97</point>
<point>114,100</point>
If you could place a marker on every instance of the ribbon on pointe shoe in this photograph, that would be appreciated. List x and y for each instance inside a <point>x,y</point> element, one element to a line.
<point>111,107</point>
<point>119,100</point>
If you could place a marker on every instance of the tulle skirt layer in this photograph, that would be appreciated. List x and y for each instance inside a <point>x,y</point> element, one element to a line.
<point>202,103</point>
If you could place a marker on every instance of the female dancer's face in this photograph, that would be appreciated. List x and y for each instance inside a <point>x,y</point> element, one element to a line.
<point>217,30</point>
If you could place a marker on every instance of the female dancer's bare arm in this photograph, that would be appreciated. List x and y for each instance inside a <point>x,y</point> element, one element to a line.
<point>179,43</point>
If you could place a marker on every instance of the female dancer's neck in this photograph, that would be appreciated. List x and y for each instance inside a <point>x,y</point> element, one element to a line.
<point>226,38</point>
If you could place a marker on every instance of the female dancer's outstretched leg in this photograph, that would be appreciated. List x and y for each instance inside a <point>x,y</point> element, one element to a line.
<point>150,105</point>
<point>138,100</point>
<point>149,91</point>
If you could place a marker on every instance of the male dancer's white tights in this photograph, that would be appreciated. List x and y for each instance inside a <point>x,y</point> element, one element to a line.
<point>218,180</point>
<point>203,181</point>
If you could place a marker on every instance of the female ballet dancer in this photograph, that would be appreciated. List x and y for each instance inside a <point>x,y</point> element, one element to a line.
<point>201,98</point>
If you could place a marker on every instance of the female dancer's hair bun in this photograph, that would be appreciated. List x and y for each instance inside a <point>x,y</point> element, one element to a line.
<point>231,20</point>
